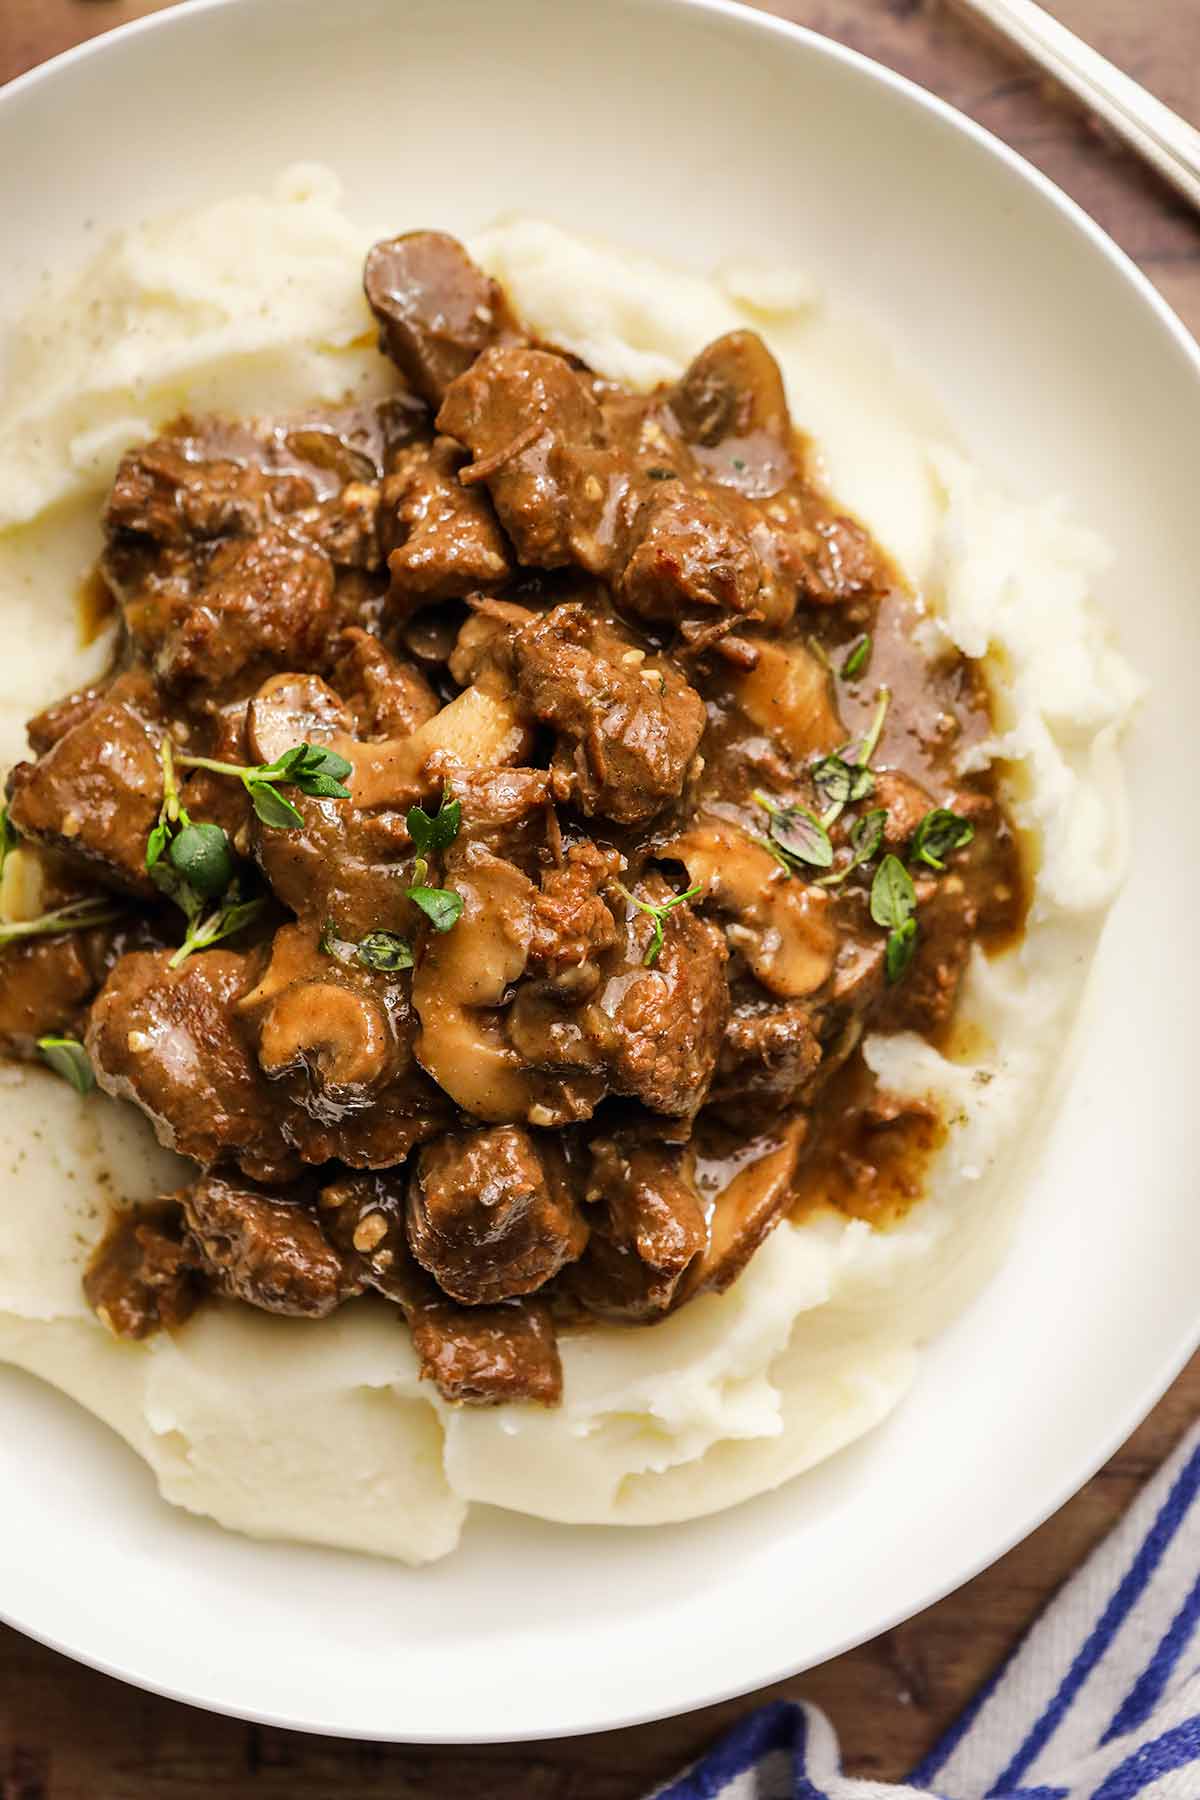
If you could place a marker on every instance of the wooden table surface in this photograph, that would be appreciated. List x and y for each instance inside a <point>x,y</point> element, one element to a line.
<point>69,1734</point>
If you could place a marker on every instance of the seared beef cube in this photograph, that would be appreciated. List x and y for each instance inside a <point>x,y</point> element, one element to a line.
<point>442,539</point>
<point>334,1036</point>
<point>839,563</point>
<point>491,1214</point>
<point>388,698</point>
<point>572,925</point>
<point>924,996</point>
<point>628,726</point>
<point>648,1230</point>
<point>768,1057</point>
<point>171,1041</point>
<point>652,1033</point>
<point>345,527</point>
<point>538,439</point>
<point>45,985</point>
<point>661,1028</point>
<point>363,1217</point>
<point>142,1276</point>
<point>189,485</point>
<point>436,309</point>
<point>267,1249</point>
<point>265,602</point>
<point>54,721</point>
<point>906,803</point>
<point>96,793</point>
<point>489,1355</point>
<point>690,556</point>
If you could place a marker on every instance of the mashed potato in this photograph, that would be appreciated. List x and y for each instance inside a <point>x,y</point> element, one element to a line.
<point>285,1429</point>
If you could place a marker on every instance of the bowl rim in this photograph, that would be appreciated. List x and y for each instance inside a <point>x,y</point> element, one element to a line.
<point>1081,223</point>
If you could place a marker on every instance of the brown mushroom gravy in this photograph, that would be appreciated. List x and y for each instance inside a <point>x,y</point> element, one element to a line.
<point>509,807</point>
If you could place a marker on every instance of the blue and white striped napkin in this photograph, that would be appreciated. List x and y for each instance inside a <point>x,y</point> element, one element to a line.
<point>1100,1702</point>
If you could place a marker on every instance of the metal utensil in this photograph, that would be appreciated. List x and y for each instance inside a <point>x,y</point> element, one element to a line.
<point>1167,142</point>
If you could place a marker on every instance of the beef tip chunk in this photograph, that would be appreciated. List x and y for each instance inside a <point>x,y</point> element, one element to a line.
<point>906,803</point>
<point>171,1041</point>
<point>650,1228</point>
<point>334,1037</point>
<point>264,603</point>
<point>437,310</point>
<point>142,1277</point>
<point>537,436</point>
<point>386,697</point>
<point>363,1217</point>
<point>45,986</point>
<point>691,558</point>
<point>731,409</point>
<point>201,480</point>
<point>628,726</point>
<point>491,1215</point>
<point>96,793</point>
<point>660,1028</point>
<point>924,997</point>
<point>265,1248</point>
<point>573,928</point>
<point>442,539</point>
<point>488,1355</point>
<point>54,721</point>
<point>768,1057</point>
<point>339,864</point>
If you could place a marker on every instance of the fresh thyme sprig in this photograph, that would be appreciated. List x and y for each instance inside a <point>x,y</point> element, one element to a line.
<point>894,906</point>
<point>68,1058</point>
<point>939,834</point>
<point>658,912</point>
<point>222,922</point>
<point>310,768</point>
<point>441,906</point>
<point>76,915</point>
<point>382,951</point>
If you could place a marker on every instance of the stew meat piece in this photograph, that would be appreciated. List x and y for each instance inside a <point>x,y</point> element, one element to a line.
<point>265,1248</point>
<point>560,1009</point>
<point>491,1214</point>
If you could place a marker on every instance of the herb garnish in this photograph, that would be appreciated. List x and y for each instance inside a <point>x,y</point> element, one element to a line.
<point>188,863</point>
<point>309,767</point>
<point>227,918</point>
<point>661,475</point>
<point>68,1058</point>
<point>796,836</point>
<point>658,912</point>
<point>76,915</point>
<point>441,906</point>
<point>866,835</point>
<point>894,905</point>
<point>430,835</point>
<point>842,783</point>
<point>940,832</point>
<point>857,658</point>
<point>382,951</point>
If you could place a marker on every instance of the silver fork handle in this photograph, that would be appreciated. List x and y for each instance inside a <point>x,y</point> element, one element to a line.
<point>1166,141</point>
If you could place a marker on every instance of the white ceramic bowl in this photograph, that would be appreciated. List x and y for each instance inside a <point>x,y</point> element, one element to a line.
<point>697,130</point>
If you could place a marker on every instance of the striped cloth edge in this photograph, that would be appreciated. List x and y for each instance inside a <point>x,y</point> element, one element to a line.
<point>1100,1701</point>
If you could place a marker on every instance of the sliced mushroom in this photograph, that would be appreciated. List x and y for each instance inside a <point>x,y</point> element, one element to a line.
<point>782,925</point>
<point>788,695</point>
<point>462,979</point>
<point>491,1214</point>
<point>743,1208</point>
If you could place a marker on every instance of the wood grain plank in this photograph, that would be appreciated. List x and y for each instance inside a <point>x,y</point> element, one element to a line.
<point>67,1733</point>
